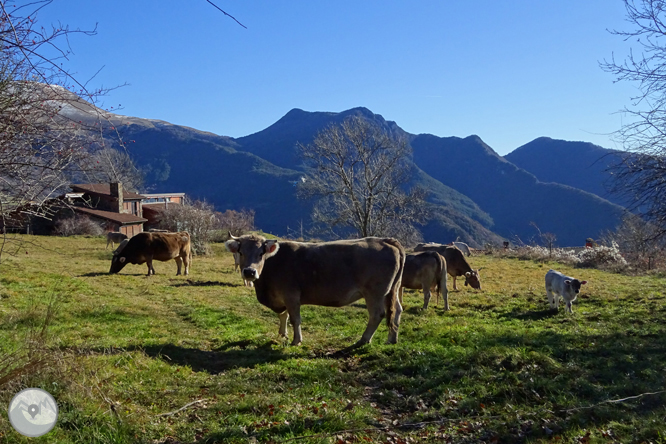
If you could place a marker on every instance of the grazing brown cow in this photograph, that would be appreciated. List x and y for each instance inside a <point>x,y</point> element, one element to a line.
<point>287,275</point>
<point>114,237</point>
<point>144,247</point>
<point>456,264</point>
<point>426,270</point>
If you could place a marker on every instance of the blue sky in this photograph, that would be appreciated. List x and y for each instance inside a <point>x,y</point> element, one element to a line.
<point>508,71</point>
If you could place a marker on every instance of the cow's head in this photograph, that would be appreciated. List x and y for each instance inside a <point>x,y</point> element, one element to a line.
<point>573,285</point>
<point>473,279</point>
<point>253,251</point>
<point>119,260</point>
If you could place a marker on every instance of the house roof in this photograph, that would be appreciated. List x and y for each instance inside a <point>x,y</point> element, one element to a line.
<point>103,189</point>
<point>121,218</point>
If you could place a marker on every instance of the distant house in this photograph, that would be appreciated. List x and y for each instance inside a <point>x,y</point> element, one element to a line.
<point>114,208</point>
<point>154,204</point>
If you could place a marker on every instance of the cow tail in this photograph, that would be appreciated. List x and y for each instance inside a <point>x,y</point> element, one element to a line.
<point>441,267</point>
<point>392,298</point>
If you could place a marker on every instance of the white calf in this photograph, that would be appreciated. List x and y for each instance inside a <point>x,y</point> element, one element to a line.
<point>559,285</point>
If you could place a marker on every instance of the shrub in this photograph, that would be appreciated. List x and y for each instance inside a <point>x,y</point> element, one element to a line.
<point>78,225</point>
<point>602,257</point>
<point>197,218</point>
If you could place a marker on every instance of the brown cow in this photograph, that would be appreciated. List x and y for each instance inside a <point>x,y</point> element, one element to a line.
<point>456,264</point>
<point>287,275</point>
<point>144,247</point>
<point>114,237</point>
<point>426,270</point>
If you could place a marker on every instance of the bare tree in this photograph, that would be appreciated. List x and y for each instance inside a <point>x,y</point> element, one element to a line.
<point>641,175</point>
<point>236,222</point>
<point>637,239</point>
<point>357,174</point>
<point>48,133</point>
<point>197,218</point>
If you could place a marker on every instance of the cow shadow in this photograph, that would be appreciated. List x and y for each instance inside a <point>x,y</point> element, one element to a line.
<point>240,354</point>
<point>531,315</point>
<point>191,283</point>
<point>95,274</point>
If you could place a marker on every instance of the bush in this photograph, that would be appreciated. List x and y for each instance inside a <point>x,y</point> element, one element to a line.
<point>602,257</point>
<point>78,225</point>
<point>596,257</point>
<point>197,218</point>
<point>236,222</point>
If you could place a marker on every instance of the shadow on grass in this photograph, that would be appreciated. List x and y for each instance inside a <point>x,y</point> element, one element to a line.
<point>233,355</point>
<point>532,315</point>
<point>95,274</point>
<point>577,374</point>
<point>191,283</point>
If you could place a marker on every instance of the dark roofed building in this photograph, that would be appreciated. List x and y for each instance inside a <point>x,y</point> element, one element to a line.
<point>115,208</point>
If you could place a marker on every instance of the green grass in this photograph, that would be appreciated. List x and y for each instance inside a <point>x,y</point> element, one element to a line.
<point>498,367</point>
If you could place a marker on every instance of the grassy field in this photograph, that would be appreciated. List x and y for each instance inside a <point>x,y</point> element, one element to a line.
<point>129,351</point>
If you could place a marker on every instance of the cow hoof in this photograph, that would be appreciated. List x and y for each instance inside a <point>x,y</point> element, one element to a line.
<point>296,344</point>
<point>360,343</point>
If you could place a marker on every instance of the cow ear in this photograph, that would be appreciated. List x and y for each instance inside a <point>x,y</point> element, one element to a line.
<point>232,245</point>
<point>122,260</point>
<point>568,282</point>
<point>583,282</point>
<point>271,247</point>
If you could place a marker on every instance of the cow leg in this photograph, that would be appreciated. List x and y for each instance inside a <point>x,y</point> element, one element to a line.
<point>294,314</point>
<point>393,330</point>
<point>151,270</point>
<point>426,295</point>
<point>284,317</point>
<point>376,312</point>
<point>445,295</point>
<point>402,289</point>
<point>569,306</point>
<point>187,260</point>
<point>454,283</point>
<point>179,263</point>
<point>552,300</point>
<point>107,245</point>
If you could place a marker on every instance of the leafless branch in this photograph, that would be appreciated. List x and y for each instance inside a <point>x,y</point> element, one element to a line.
<point>225,13</point>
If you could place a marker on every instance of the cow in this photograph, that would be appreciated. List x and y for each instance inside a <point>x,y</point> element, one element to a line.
<point>145,247</point>
<point>462,247</point>
<point>289,274</point>
<point>114,237</point>
<point>558,285</point>
<point>426,270</point>
<point>456,264</point>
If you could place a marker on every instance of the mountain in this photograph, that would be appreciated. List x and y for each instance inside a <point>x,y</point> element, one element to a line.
<point>458,216</point>
<point>581,165</point>
<point>207,166</point>
<point>479,196</point>
<point>512,196</point>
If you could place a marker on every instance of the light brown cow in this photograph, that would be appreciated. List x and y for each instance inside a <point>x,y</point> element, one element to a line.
<point>426,270</point>
<point>114,237</point>
<point>145,247</point>
<point>456,264</point>
<point>287,275</point>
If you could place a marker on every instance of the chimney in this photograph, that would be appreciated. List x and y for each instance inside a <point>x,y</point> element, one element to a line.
<point>117,192</point>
